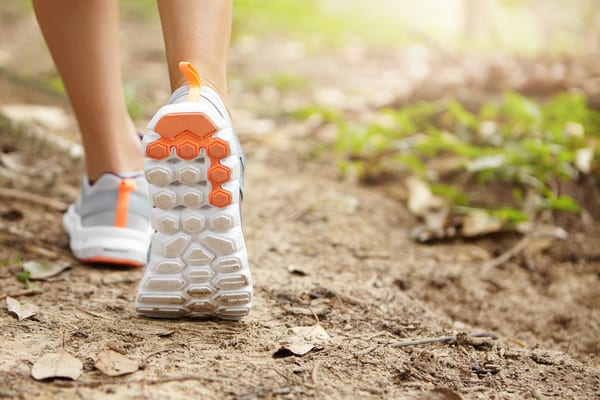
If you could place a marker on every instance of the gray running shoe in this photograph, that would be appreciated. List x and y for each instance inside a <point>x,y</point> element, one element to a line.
<point>194,164</point>
<point>109,222</point>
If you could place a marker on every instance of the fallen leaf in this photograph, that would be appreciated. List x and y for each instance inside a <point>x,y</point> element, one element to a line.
<point>448,394</point>
<point>486,162</point>
<point>542,231</point>
<point>574,129</point>
<point>542,238</point>
<point>57,365</point>
<point>537,239</point>
<point>421,200</point>
<point>479,223</point>
<point>292,269</point>
<point>434,210</point>
<point>303,340</point>
<point>43,270</point>
<point>583,159</point>
<point>21,311</point>
<point>114,364</point>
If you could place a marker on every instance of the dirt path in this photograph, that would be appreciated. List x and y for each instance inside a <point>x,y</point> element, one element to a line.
<point>319,248</point>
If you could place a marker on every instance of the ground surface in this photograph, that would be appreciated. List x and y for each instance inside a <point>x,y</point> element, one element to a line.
<point>320,247</point>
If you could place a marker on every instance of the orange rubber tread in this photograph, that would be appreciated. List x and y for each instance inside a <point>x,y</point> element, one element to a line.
<point>188,133</point>
<point>172,125</point>
<point>109,260</point>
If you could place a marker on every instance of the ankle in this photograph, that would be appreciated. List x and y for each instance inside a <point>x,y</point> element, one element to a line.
<point>117,152</point>
<point>210,77</point>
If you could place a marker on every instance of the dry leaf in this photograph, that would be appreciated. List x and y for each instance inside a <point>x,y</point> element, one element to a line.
<point>420,199</point>
<point>22,311</point>
<point>434,210</point>
<point>114,364</point>
<point>303,340</point>
<point>57,365</point>
<point>486,162</point>
<point>43,270</point>
<point>583,159</point>
<point>448,394</point>
<point>480,223</point>
<point>292,269</point>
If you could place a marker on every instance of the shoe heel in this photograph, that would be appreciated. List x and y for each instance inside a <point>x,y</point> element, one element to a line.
<point>198,264</point>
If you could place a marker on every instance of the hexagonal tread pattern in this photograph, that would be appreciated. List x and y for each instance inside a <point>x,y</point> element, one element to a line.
<point>193,223</point>
<point>171,266</point>
<point>159,176</point>
<point>197,255</point>
<point>167,224</point>
<point>199,275</point>
<point>188,133</point>
<point>222,222</point>
<point>165,199</point>
<point>198,264</point>
<point>188,175</point>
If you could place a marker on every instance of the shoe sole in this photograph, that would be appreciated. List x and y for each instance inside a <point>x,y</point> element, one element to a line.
<point>198,264</point>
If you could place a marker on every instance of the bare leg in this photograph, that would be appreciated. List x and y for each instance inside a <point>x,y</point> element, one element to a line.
<point>83,39</point>
<point>198,32</point>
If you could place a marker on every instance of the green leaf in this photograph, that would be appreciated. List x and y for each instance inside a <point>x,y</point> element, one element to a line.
<point>456,196</point>
<point>537,146</point>
<point>510,214</point>
<point>23,276</point>
<point>564,203</point>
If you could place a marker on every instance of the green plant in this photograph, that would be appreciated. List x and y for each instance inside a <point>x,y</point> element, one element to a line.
<point>527,145</point>
<point>23,275</point>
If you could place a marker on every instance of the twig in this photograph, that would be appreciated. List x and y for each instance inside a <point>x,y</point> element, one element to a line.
<point>42,251</point>
<point>441,339</point>
<point>507,255</point>
<point>537,395</point>
<point>139,381</point>
<point>43,137</point>
<point>315,315</point>
<point>144,361</point>
<point>535,232</point>
<point>281,374</point>
<point>29,197</point>
<point>93,314</point>
<point>355,301</point>
<point>365,351</point>
<point>30,292</point>
<point>31,237</point>
<point>13,230</point>
<point>315,372</point>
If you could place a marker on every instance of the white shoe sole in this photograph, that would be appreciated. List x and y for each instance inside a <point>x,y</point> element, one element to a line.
<point>198,263</point>
<point>105,244</point>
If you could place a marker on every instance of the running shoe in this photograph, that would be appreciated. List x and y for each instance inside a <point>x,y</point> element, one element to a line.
<point>194,164</point>
<point>109,222</point>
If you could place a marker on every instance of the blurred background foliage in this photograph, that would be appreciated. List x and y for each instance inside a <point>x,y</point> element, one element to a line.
<point>523,26</point>
<point>518,26</point>
<point>525,143</point>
